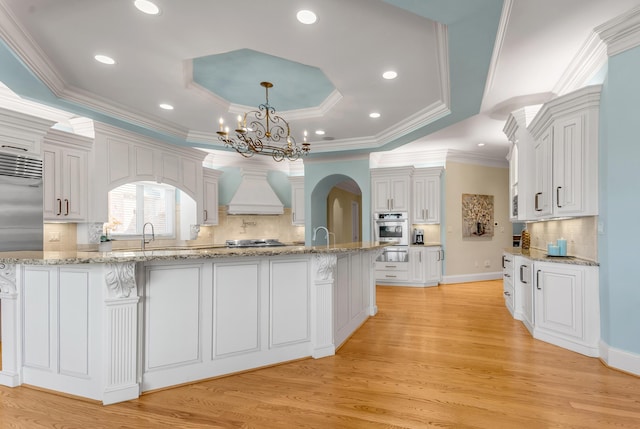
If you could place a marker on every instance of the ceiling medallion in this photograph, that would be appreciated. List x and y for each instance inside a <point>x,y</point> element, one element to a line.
<point>260,132</point>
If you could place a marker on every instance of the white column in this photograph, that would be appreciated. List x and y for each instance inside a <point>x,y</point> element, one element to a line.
<point>373,306</point>
<point>120,334</point>
<point>9,301</point>
<point>322,341</point>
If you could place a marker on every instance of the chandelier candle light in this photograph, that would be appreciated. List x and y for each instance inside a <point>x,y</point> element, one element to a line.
<point>265,130</point>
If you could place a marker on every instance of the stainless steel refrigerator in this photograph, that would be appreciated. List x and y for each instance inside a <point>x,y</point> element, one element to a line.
<point>21,221</point>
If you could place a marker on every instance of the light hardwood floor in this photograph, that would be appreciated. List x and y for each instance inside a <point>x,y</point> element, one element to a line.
<point>445,357</point>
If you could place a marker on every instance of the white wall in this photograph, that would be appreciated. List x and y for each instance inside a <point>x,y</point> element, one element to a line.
<point>466,259</point>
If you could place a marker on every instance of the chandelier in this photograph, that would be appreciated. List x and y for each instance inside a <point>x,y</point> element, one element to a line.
<point>261,131</point>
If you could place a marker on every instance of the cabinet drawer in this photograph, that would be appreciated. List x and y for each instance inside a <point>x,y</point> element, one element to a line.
<point>394,276</point>
<point>392,266</point>
<point>20,147</point>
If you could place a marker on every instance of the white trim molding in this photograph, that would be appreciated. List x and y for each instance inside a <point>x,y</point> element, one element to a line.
<point>621,33</point>
<point>620,359</point>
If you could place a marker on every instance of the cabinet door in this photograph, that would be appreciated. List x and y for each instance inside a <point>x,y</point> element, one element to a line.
<point>52,202</point>
<point>559,299</point>
<point>525,291</point>
<point>417,263</point>
<point>210,215</point>
<point>400,187</point>
<point>568,162</point>
<point>297,203</point>
<point>435,256</point>
<point>542,202</point>
<point>381,198</point>
<point>74,181</point>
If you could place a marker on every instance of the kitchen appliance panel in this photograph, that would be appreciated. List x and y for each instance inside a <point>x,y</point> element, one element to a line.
<point>392,228</point>
<point>21,216</point>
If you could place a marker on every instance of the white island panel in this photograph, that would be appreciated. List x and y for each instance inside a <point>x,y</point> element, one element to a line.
<point>172,309</point>
<point>74,322</point>
<point>37,315</point>
<point>289,302</point>
<point>236,308</point>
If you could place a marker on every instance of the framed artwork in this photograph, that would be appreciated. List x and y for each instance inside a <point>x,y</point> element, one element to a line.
<point>477,215</point>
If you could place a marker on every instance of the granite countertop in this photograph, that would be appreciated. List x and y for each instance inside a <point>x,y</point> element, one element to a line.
<point>427,244</point>
<point>540,255</point>
<point>76,257</point>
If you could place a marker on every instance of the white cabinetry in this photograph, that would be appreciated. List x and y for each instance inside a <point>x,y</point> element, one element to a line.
<point>418,265</point>
<point>392,272</point>
<point>435,257</point>
<point>566,155</point>
<point>65,176</point>
<point>521,164</point>
<point>426,196</point>
<point>210,189</point>
<point>523,287</point>
<point>508,290</point>
<point>391,188</point>
<point>22,134</point>
<point>297,200</point>
<point>567,306</point>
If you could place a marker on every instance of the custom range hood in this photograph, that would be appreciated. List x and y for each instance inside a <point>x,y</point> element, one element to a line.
<point>255,195</point>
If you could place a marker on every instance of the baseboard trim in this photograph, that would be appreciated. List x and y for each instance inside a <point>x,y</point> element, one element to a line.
<point>621,360</point>
<point>467,278</point>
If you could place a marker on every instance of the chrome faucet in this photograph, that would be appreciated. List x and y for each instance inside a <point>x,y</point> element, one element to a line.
<point>315,232</point>
<point>144,237</point>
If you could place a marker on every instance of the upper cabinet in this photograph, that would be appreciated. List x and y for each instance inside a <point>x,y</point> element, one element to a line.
<point>426,196</point>
<point>210,189</point>
<point>391,188</point>
<point>566,155</point>
<point>22,134</point>
<point>297,200</point>
<point>65,176</point>
<point>521,165</point>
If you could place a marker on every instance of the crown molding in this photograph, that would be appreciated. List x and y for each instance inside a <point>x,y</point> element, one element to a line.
<point>424,158</point>
<point>505,16</point>
<point>621,33</point>
<point>470,158</point>
<point>589,60</point>
<point>34,58</point>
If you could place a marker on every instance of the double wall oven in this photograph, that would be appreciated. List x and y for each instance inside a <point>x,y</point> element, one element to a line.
<point>392,228</point>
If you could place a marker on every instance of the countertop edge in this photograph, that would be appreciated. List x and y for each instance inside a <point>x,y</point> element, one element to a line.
<point>75,258</point>
<point>541,256</point>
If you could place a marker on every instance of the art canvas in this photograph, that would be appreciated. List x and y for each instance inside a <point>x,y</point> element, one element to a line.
<point>477,215</point>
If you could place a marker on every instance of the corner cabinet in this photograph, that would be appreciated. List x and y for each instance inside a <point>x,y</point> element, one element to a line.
<point>566,155</point>
<point>297,200</point>
<point>210,198</point>
<point>567,306</point>
<point>65,176</point>
<point>426,196</point>
<point>391,189</point>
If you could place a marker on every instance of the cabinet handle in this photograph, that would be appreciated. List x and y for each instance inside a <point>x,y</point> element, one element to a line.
<point>59,206</point>
<point>294,216</point>
<point>14,147</point>
<point>420,254</point>
<point>558,196</point>
<point>206,215</point>
<point>66,202</point>
<point>507,275</point>
<point>538,280</point>
<point>507,293</point>
<point>522,274</point>
<point>390,276</point>
<point>536,202</point>
<point>390,266</point>
<point>503,267</point>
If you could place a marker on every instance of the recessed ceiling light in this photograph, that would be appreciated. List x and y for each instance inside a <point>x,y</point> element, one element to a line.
<point>374,115</point>
<point>306,17</point>
<point>104,59</point>
<point>166,106</point>
<point>320,132</point>
<point>147,7</point>
<point>481,144</point>
<point>390,74</point>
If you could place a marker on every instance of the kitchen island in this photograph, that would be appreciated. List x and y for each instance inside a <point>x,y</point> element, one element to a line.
<point>109,326</point>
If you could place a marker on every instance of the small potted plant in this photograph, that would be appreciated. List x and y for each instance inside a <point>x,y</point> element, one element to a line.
<point>105,244</point>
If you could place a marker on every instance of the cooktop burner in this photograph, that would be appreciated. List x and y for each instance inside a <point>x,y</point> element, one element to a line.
<point>263,242</point>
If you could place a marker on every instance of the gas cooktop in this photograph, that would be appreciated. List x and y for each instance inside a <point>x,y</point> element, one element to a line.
<point>262,242</point>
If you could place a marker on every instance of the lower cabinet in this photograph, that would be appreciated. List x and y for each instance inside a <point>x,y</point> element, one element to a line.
<point>557,302</point>
<point>567,308</point>
<point>423,268</point>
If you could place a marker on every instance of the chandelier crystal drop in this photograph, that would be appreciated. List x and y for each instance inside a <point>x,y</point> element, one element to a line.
<point>262,132</point>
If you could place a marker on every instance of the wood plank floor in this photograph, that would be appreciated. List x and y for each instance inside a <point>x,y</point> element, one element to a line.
<point>445,357</point>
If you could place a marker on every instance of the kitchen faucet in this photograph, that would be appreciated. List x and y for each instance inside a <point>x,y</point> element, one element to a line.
<point>315,232</point>
<point>144,238</point>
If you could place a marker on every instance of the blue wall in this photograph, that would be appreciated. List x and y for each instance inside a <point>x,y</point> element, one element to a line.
<point>619,164</point>
<point>320,177</point>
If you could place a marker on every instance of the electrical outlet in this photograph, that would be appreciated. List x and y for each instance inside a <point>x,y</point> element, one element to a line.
<point>54,236</point>
<point>487,263</point>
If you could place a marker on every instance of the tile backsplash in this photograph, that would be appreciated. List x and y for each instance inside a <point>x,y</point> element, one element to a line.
<point>581,235</point>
